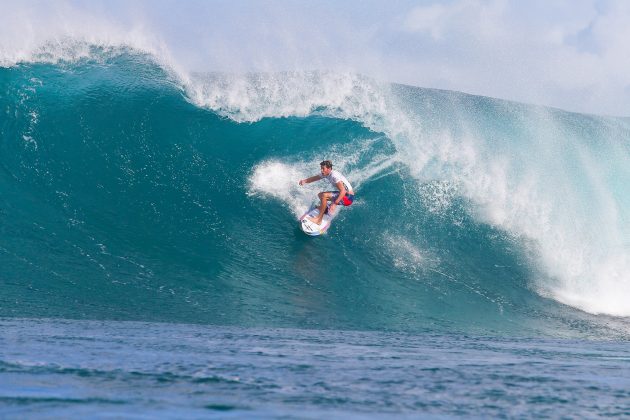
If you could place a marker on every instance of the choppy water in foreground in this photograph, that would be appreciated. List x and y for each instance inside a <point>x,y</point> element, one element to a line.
<point>66,369</point>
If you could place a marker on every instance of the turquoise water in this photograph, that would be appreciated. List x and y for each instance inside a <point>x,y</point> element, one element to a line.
<point>131,194</point>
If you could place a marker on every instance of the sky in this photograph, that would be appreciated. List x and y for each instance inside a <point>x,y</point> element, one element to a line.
<point>570,54</point>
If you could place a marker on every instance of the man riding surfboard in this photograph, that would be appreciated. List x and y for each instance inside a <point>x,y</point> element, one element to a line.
<point>344,195</point>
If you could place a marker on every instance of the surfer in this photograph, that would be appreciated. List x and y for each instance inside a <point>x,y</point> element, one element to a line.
<point>344,195</point>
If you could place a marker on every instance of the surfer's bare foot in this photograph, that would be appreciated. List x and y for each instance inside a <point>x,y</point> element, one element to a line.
<point>315,220</point>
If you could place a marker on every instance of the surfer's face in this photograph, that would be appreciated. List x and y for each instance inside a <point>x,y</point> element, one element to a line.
<point>326,171</point>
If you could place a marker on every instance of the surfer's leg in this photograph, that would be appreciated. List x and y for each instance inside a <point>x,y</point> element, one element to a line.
<point>323,197</point>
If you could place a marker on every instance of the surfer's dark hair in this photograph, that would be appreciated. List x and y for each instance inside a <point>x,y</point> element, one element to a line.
<point>326,163</point>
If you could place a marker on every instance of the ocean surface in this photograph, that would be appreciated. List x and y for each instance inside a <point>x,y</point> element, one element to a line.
<point>105,369</point>
<point>151,263</point>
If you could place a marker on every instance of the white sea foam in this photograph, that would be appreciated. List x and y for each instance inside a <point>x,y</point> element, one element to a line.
<point>408,257</point>
<point>251,97</point>
<point>279,180</point>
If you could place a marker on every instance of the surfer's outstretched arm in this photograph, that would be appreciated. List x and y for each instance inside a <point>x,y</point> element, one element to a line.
<point>309,180</point>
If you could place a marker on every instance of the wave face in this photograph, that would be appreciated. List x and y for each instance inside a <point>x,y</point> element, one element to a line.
<point>131,193</point>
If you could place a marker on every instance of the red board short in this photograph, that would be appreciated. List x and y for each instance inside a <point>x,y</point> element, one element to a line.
<point>346,200</point>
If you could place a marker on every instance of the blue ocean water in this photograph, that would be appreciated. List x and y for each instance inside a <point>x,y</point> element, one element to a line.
<point>104,369</point>
<point>148,223</point>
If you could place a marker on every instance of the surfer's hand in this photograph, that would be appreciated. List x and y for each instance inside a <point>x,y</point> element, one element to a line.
<point>301,182</point>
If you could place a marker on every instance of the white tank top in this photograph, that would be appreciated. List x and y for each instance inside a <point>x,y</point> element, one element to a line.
<point>335,176</point>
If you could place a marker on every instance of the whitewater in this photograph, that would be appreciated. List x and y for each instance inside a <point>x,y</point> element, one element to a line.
<point>148,210</point>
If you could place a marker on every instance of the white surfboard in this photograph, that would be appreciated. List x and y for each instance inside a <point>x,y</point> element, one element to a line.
<point>312,228</point>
